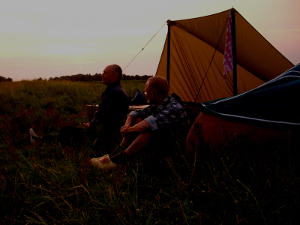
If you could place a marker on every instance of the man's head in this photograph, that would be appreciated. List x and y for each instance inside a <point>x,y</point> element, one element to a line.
<point>157,89</point>
<point>111,74</point>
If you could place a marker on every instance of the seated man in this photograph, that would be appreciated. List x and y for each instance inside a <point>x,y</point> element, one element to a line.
<point>163,120</point>
<point>107,119</point>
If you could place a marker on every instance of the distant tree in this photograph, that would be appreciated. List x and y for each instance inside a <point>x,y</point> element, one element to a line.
<point>3,79</point>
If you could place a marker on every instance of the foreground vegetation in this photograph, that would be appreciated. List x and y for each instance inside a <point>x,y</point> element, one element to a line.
<point>48,184</point>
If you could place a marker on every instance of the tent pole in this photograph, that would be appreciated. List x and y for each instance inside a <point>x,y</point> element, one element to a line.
<point>168,52</point>
<point>234,52</point>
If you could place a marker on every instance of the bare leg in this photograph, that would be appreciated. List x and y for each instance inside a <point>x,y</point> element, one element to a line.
<point>140,142</point>
<point>127,140</point>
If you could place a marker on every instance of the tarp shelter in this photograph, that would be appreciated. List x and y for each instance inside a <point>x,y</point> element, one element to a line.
<point>274,102</point>
<point>268,114</point>
<point>192,58</point>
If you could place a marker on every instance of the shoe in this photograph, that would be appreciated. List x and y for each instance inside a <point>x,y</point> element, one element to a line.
<point>103,163</point>
<point>33,136</point>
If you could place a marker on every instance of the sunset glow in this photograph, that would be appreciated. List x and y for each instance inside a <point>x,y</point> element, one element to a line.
<point>55,38</point>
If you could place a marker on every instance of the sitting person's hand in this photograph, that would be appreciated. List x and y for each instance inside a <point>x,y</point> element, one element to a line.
<point>124,130</point>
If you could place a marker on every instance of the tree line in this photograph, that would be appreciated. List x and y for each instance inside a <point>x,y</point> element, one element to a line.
<point>85,77</point>
<point>3,79</point>
<point>96,77</point>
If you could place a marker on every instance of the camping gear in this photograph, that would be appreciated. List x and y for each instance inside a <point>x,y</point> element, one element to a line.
<point>193,63</point>
<point>268,114</point>
<point>138,99</point>
<point>273,102</point>
<point>193,54</point>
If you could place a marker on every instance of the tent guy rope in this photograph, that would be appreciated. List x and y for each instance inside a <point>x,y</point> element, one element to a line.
<point>144,46</point>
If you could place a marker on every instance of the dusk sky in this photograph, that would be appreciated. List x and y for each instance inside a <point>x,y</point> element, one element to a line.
<point>66,37</point>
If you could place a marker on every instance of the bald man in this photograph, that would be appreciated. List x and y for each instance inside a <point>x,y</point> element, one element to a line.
<point>113,102</point>
<point>163,120</point>
<point>107,121</point>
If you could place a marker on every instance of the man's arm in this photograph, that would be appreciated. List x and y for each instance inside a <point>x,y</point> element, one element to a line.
<point>139,127</point>
<point>128,122</point>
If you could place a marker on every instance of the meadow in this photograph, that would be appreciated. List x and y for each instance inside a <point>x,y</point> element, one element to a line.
<point>48,184</point>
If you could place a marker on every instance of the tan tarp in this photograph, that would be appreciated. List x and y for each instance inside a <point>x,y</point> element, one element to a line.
<point>196,58</point>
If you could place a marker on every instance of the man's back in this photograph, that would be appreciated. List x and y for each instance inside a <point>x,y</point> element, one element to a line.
<point>112,108</point>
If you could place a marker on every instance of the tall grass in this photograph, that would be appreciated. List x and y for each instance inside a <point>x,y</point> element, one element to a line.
<point>49,184</point>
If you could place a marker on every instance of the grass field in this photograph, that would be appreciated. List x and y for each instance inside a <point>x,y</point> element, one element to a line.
<point>48,184</point>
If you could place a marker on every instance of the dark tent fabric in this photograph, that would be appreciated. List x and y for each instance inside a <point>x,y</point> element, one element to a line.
<point>274,102</point>
<point>267,116</point>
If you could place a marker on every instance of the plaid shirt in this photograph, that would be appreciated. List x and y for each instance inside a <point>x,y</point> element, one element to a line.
<point>170,114</point>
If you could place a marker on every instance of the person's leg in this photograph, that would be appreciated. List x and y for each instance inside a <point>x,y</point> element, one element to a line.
<point>155,145</point>
<point>140,142</point>
<point>107,162</point>
<point>128,139</point>
<point>132,143</point>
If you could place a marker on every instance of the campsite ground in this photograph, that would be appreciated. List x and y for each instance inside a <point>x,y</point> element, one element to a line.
<point>48,184</point>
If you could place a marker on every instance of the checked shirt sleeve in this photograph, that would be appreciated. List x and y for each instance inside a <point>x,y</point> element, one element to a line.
<point>141,113</point>
<point>146,114</point>
<point>170,114</point>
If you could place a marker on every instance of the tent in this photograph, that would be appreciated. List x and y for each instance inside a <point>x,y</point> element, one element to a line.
<point>192,58</point>
<point>238,106</point>
<point>269,113</point>
<point>274,102</point>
